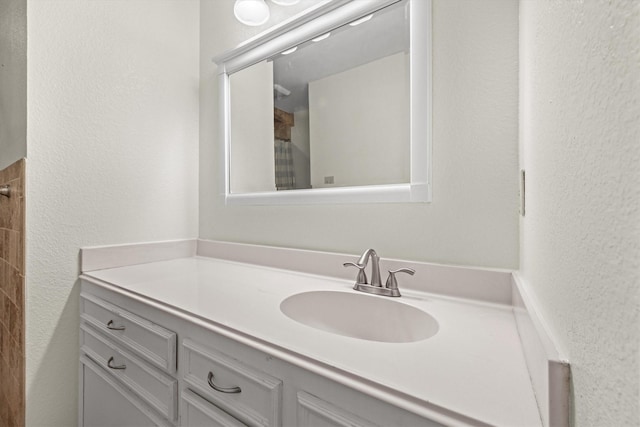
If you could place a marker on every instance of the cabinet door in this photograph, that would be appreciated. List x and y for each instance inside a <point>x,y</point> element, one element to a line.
<point>198,412</point>
<point>107,404</point>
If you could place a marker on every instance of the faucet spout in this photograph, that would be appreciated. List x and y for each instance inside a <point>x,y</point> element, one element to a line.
<point>375,265</point>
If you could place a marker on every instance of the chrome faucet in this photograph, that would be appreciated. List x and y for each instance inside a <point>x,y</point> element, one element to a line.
<point>391,287</point>
<point>375,265</point>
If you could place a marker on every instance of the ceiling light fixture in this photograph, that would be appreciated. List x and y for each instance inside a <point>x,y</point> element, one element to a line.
<point>322,37</point>
<point>251,12</point>
<point>285,2</point>
<point>361,20</point>
<point>288,51</point>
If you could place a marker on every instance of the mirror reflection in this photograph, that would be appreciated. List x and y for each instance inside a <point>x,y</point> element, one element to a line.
<point>330,112</point>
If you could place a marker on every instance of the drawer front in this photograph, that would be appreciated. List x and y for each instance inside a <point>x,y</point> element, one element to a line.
<point>252,396</point>
<point>156,388</point>
<point>312,411</point>
<point>107,403</point>
<point>199,412</point>
<point>150,341</point>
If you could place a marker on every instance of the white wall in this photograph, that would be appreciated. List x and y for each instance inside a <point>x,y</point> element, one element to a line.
<point>113,145</point>
<point>13,81</point>
<point>359,125</point>
<point>580,145</point>
<point>252,154</point>
<point>473,218</point>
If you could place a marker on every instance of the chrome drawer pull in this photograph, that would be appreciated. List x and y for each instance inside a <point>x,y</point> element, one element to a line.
<point>114,328</point>
<point>112,366</point>
<point>222,389</point>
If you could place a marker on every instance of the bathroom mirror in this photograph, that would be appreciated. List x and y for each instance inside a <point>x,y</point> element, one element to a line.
<point>331,106</point>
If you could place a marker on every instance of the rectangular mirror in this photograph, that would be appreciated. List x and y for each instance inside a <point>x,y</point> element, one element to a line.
<point>332,106</point>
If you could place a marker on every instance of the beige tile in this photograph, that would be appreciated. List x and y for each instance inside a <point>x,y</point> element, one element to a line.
<point>14,324</point>
<point>13,171</point>
<point>3,332</point>
<point>6,335</point>
<point>12,207</point>
<point>20,261</point>
<point>4,348</point>
<point>20,371</point>
<point>12,282</point>
<point>13,248</point>
<point>4,405</point>
<point>15,360</point>
<point>15,403</point>
<point>3,276</point>
<point>4,370</point>
<point>19,292</point>
<point>4,317</point>
<point>8,286</point>
<point>19,403</point>
<point>3,243</point>
<point>5,211</point>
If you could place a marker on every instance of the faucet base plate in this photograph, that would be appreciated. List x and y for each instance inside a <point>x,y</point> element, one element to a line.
<point>377,290</point>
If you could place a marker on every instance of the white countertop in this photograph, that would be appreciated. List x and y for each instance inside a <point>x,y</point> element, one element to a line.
<point>473,366</point>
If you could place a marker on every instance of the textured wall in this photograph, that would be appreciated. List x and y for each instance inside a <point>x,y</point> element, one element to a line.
<point>473,218</point>
<point>113,145</point>
<point>580,145</point>
<point>12,297</point>
<point>13,81</point>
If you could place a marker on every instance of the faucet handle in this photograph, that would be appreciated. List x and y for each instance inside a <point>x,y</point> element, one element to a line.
<point>392,283</point>
<point>362,276</point>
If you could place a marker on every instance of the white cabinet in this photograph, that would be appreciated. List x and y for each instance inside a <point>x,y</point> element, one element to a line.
<point>142,364</point>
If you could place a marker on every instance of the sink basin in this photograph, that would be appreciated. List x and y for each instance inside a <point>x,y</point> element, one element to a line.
<point>360,316</point>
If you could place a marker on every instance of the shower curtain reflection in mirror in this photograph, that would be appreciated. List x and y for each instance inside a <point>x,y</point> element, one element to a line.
<point>284,170</point>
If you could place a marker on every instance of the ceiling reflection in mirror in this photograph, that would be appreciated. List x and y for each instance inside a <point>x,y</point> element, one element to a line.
<point>330,112</point>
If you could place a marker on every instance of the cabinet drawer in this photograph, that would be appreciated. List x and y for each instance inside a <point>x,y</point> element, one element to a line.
<point>199,412</point>
<point>107,403</point>
<point>154,387</point>
<point>312,411</point>
<point>252,396</point>
<point>150,341</point>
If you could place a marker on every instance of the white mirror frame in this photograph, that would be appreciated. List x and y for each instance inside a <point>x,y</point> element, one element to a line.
<point>321,18</point>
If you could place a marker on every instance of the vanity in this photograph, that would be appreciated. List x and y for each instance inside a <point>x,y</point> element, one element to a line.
<point>191,339</point>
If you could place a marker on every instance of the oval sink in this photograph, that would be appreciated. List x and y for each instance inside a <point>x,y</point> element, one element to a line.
<point>360,316</point>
